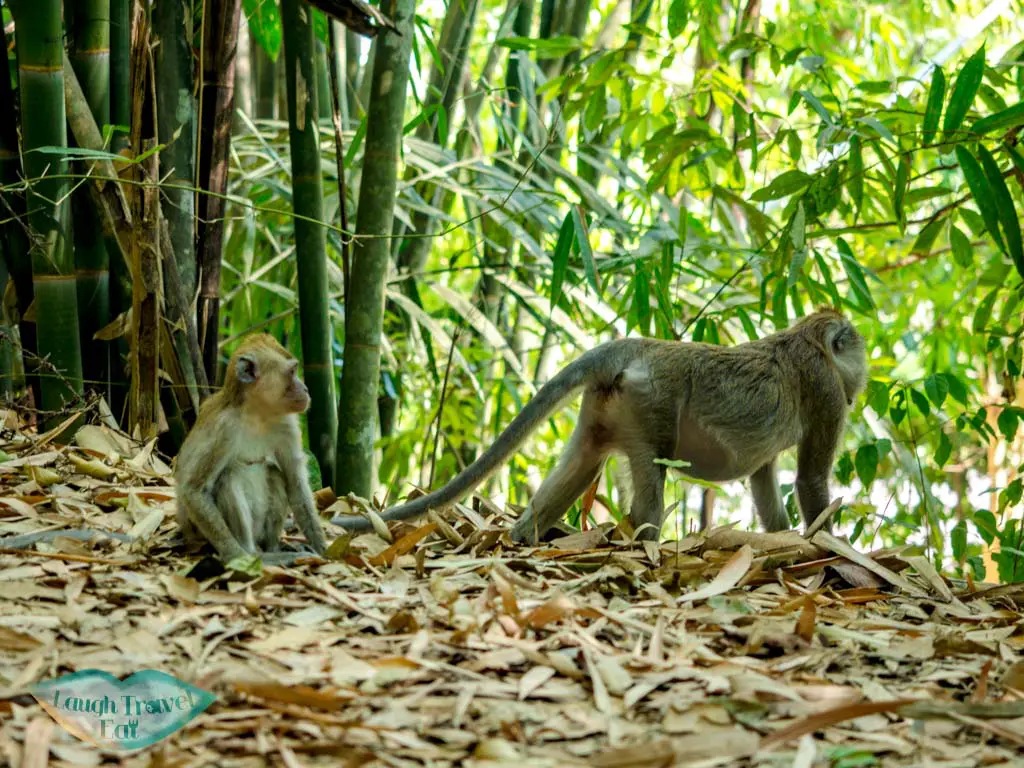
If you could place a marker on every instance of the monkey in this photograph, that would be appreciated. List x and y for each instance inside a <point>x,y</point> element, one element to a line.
<point>723,413</point>
<point>242,466</point>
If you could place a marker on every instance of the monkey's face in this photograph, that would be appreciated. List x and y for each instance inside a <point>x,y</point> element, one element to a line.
<point>850,355</point>
<point>295,397</point>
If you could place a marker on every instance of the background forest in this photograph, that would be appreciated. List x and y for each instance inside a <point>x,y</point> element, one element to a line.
<point>435,221</point>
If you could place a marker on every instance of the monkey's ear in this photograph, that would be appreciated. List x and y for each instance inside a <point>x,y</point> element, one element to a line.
<point>245,369</point>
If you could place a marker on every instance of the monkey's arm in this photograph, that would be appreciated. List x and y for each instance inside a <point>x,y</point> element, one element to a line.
<point>300,497</point>
<point>814,464</point>
<point>201,510</point>
<point>764,487</point>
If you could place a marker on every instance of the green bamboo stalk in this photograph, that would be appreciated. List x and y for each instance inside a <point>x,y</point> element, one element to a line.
<point>14,232</point>
<point>310,237</point>
<point>89,53</point>
<point>41,77</point>
<point>120,117</point>
<point>265,77</point>
<point>176,121</point>
<point>243,76</point>
<point>364,308</point>
<point>323,93</point>
<point>352,48</point>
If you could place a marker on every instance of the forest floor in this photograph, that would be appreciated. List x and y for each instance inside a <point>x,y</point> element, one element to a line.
<point>449,646</point>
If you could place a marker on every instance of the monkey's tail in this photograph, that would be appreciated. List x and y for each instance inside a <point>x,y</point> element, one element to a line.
<point>559,388</point>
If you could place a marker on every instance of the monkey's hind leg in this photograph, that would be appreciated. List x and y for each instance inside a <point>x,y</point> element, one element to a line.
<point>575,471</point>
<point>648,503</point>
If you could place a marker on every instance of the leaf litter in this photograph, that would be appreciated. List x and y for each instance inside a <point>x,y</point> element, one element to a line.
<point>444,644</point>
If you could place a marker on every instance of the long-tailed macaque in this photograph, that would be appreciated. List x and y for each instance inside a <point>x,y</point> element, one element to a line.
<point>242,465</point>
<point>727,411</point>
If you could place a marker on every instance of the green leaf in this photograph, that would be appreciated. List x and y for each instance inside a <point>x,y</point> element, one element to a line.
<point>752,128</point>
<point>921,402</point>
<point>942,451</point>
<point>984,311</point>
<point>817,106</point>
<point>936,387</point>
<point>926,237</point>
<point>956,388</point>
<point>984,197</point>
<point>642,298</point>
<point>898,409</point>
<point>1007,423</point>
<point>854,272</point>
<point>958,540</point>
<point>264,25</point>
<point>747,323</point>
<point>1008,118</point>
<point>855,174</point>
<point>866,463</point>
<point>900,190</point>
<point>878,397</point>
<point>985,523</point>
<point>783,185</point>
<point>826,275</point>
<point>357,142</point>
<point>796,235</point>
<point>678,15</point>
<point>1004,207</point>
<point>586,253</point>
<point>932,111</point>
<point>550,48</point>
<point>963,252</point>
<point>965,88</point>
<point>560,258</point>
<point>780,315</point>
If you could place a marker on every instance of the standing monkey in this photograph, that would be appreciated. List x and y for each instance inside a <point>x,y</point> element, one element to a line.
<point>728,411</point>
<point>242,465</point>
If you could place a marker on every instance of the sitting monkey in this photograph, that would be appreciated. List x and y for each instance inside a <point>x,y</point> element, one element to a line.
<point>242,465</point>
<point>727,411</point>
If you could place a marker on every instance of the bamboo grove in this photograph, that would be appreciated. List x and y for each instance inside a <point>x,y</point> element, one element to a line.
<point>436,204</point>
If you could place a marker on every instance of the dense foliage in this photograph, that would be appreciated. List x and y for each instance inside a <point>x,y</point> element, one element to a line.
<point>690,169</point>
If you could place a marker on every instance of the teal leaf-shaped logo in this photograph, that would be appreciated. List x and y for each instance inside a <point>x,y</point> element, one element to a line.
<point>124,714</point>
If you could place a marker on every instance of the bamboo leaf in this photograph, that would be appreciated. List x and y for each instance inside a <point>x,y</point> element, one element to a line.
<point>866,463</point>
<point>586,253</point>
<point>264,25</point>
<point>983,195</point>
<point>854,272</point>
<point>1008,118</point>
<point>482,325</point>
<point>968,80</point>
<point>783,185</point>
<point>678,15</point>
<point>900,190</point>
<point>550,48</point>
<point>933,109</point>
<point>856,174</point>
<point>431,325</point>
<point>960,244</point>
<point>560,258</point>
<point>817,106</point>
<point>1004,208</point>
